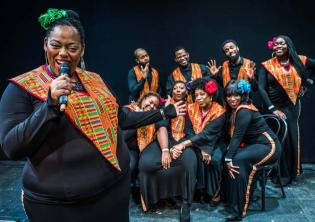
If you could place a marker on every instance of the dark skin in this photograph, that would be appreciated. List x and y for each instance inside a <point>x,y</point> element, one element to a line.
<point>205,101</point>
<point>280,48</point>
<point>143,59</point>
<point>63,45</point>
<point>182,58</point>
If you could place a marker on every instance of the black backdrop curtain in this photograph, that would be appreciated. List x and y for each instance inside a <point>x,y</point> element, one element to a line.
<point>115,28</point>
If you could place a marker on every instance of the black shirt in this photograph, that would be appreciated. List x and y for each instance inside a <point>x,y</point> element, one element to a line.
<point>62,164</point>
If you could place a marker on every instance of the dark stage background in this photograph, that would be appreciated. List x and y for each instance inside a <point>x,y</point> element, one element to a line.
<point>115,28</point>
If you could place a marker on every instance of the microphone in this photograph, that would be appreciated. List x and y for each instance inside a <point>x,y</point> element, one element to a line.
<point>64,71</point>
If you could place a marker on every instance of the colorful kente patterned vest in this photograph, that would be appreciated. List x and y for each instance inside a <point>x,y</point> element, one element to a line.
<point>195,74</point>
<point>245,72</point>
<point>154,82</point>
<point>94,112</point>
<point>195,115</point>
<point>289,80</point>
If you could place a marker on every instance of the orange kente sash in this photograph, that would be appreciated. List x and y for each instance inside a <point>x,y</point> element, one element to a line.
<point>289,80</point>
<point>195,115</point>
<point>195,74</point>
<point>178,126</point>
<point>245,72</point>
<point>154,82</point>
<point>145,136</point>
<point>94,112</point>
<point>250,107</point>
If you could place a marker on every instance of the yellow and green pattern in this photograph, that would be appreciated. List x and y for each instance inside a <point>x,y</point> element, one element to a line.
<point>94,112</point>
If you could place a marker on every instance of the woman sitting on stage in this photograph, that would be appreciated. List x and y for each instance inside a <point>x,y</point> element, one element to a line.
<point>252,144</point>
<point>160,176</point>
<point>204,125</point>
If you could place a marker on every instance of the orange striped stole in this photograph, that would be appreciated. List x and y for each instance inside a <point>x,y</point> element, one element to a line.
<point>289,80</point>
<point>250,107</point>
<point>145,136</point>
<point>245,72</point>
<point>195,74</point>
<point>199,122</point>
<point>154,82</point>
<point>95,113</point>
<point>177,126</point>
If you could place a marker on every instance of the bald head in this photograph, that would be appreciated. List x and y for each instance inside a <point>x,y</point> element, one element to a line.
<point>141,56</point>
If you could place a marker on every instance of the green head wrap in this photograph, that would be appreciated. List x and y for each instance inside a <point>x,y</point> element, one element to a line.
<point>50,16</point>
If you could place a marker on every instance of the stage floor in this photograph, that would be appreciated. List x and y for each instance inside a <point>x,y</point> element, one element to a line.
<point>298,206</point>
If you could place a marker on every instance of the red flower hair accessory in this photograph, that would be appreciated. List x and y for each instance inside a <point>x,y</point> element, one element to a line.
<point>211,87</point>
<point>271,43</point>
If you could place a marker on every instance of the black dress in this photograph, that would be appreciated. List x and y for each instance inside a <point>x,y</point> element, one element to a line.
<point>274,95</point>
<point>210,140</point>
<point>259,146</point>
<point>65,177</point>
<point>158,183</point>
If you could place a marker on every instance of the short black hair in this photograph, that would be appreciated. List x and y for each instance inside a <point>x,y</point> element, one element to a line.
<point>228,41</point>
<point>232,89</point>
<point>177,48</point>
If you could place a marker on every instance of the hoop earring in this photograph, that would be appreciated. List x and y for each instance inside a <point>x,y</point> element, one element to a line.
<point>273,54</point>
<point>46,60</point>
<point>82,63</point>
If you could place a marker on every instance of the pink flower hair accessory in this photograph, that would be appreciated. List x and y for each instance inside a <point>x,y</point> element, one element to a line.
<point>271,43</point>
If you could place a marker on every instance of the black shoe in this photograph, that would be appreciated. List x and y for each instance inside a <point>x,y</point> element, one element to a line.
<point>184,215</point>
<point>233,218</point>
<point>214,203</point>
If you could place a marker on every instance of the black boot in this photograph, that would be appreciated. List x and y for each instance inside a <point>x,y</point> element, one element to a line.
<point>184,215</point>
<point>234,218</point>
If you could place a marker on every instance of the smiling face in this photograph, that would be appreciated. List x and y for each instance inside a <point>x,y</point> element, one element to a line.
<point>202,98</point>
<point>182,57</point>
<point>280,47</point>
<point>231,51</point>
<point>150,103</point>
<point>179,91</point>
<point>234,100</point>
<point>63,45</point>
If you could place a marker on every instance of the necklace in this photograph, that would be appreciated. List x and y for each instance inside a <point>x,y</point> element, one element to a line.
<point>78,86</point>
<point>286,63</point>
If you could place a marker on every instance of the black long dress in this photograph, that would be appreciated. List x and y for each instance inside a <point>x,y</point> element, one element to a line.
<point>274,95</point>
<point>210,140</point>
<point>65,177</point>
<point>260,146</point>
<point>158,183</point>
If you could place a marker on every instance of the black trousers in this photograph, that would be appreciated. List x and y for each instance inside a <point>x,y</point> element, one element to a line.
<point>110,206</point>
<point>248,158</point>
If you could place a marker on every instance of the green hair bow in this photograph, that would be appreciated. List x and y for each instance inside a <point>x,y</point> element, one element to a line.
<point>50,16</point>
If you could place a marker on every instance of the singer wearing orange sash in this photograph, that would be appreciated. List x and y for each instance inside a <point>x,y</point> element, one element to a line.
<point>186,71</point>
<point>142,78</point>
<point>252,144</point>
<point>77,166</point>
<point>283,79</point>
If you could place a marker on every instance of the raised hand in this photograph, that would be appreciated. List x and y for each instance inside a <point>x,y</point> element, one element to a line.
<point>145,70</point>
<point>212,66</point>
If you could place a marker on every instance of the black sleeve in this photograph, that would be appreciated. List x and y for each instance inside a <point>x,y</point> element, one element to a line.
<point>132,120</point>
<point>134,86</point>
<point>242,121</point>
<point>169,84</point>
<point>207,139</point>
<point>24,125</point>
<point>262,85</point>
<point>310,63</point>
<point>189,130</point>
<point>205,71</point>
